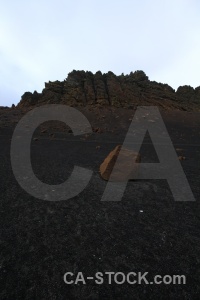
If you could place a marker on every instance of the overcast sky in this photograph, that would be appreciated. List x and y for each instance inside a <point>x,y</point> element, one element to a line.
<point>44,40</point>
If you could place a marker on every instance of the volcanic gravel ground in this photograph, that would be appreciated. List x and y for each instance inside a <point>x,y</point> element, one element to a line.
<point>147,231</point>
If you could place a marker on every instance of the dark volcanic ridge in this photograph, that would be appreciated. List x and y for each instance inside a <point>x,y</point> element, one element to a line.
<point>82,88</point>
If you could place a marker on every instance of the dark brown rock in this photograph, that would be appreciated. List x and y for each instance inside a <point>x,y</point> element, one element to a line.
<point>82,88</point>
<point>186,93</point>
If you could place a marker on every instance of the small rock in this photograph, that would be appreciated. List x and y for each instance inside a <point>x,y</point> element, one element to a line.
<point>97,130</point>
<point>43,131</point>
<point>52,135</point>
<point>181,157</point>
<point>127,169</point>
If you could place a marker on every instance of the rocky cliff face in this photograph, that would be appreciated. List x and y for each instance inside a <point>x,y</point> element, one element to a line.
<point>82,88</point>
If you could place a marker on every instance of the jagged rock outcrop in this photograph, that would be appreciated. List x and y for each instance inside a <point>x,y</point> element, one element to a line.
<point>189,94</point>
<point>85,88</point>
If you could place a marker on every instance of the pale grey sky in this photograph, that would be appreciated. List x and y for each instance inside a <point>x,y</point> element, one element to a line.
<point>44,40</point>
